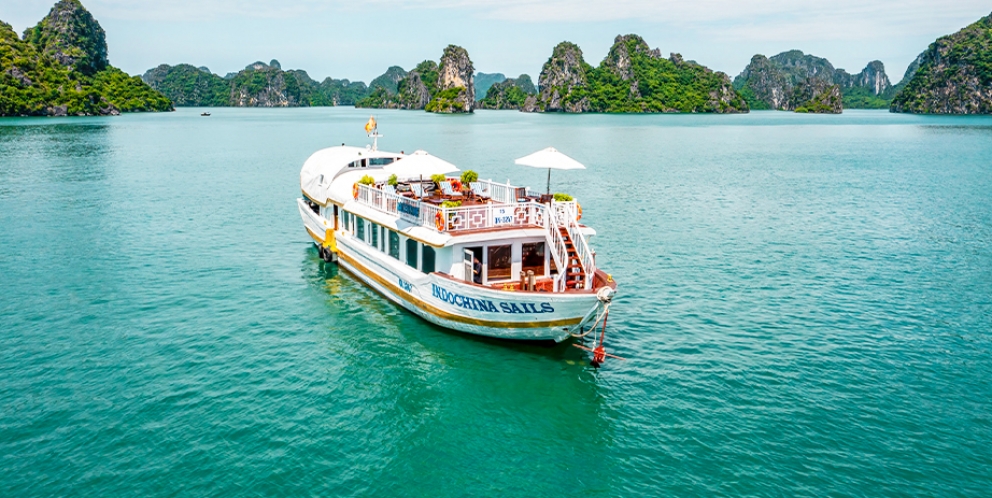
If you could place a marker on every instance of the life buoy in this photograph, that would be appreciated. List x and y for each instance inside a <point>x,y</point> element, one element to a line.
<point>455,184</point>
<point>439,222</point>
<point>354,190</point>
<point>578,211</point>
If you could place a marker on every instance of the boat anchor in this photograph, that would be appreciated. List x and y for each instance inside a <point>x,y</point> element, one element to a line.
<point>599,353</point>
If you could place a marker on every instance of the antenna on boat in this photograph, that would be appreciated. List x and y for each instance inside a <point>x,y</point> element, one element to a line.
<point>372,128</point>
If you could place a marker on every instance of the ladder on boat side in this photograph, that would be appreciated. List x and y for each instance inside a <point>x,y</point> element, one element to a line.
<point>570,252</point>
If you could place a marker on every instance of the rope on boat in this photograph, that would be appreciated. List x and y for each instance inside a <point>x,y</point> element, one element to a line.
<point>605,296</point>
<point>602,312</point>
<point>605,308</point>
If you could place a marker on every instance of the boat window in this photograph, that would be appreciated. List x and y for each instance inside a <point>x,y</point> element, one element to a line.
<point>375,235</point>
<point>499,262</point>
<point>394,244</point>
<point>427,260</point>
<point>533,258</point>
<point>380,161</point>
<point>411,253</point>
<point>360,228</point>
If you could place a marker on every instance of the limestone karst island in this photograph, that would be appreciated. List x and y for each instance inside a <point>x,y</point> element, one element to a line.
<point>61,67</point>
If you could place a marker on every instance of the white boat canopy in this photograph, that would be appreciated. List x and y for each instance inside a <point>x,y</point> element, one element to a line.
<point>421,164</point>
<point>551,159</point>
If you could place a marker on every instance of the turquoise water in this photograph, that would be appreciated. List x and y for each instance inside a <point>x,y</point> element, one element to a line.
<point>805,304</point>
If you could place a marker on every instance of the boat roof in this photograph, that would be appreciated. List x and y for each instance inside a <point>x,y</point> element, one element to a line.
<point>323,167</point>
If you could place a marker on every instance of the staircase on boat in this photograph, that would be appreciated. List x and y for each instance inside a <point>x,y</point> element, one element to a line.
<point>570,252</point>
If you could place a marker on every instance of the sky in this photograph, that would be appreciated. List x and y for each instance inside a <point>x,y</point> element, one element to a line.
<point>358,40</point>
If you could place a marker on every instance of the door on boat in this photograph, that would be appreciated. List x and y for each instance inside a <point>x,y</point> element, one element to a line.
<point>467,256</point>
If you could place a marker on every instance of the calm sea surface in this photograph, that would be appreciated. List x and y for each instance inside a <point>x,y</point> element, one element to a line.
<point>805,302</point>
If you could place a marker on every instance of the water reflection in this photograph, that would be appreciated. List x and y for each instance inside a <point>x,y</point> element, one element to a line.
<point>420,392</point>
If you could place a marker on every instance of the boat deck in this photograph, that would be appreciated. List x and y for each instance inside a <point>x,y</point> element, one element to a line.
<point>494,207</point>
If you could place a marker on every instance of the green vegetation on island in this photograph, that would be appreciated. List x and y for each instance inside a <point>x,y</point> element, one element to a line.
<point>389,79</point>
<point>186,85</point>
<point>508,94</point>
<point>445,87</point>
<point>953,76</point>
<point>794,81</point>
<point>257,85</point>
<point>61,68</point>
<point>634,79</point>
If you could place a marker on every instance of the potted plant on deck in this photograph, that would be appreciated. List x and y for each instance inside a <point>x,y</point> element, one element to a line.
<point>468,176</point>
<point>437,179</point>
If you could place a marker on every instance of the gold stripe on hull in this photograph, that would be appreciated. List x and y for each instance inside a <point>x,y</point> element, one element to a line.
<point>433,310</point>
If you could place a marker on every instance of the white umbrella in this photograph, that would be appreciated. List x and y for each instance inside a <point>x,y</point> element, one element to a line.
<point>551,159</point>
<point>420,163</point>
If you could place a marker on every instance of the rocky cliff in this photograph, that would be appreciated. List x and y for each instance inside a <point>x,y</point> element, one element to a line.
<point>564,72</point>
<point>71,35</point>
<point>413,91</point>
<point>774,83</point>
<point>869,89</point>
<point>61,68</point>
<point>455,83</point>
<point>872,78</point>
<point>264,85</point>
<point>632,78</point>
<point>953,76</point>
<point>790,81</point>
<point>448,87</point>
<point>508,94</point>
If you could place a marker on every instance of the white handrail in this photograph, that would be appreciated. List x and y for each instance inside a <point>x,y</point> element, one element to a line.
<point>581,246</point>
<point>559,252</point>
<point>474,217</point>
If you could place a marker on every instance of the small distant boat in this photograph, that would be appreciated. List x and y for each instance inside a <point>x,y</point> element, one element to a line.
<point>503,264</point>
<point>204,114</point>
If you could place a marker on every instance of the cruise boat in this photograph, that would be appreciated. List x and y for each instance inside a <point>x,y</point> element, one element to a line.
<point>484,258</point>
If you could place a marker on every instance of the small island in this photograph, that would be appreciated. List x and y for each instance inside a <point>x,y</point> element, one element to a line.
<point>60,68</point>
<point>632,78</point>
<point>447,87</point>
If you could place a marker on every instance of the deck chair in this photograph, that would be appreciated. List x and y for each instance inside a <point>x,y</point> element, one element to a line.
<point>479,190</point>
<point>418,190</point>
<point>389,189</point>
<point>448,191</point>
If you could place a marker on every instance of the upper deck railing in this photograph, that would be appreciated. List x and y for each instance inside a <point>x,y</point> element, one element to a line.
<point>502,212</point>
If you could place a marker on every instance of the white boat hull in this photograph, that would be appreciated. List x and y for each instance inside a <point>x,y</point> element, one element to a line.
<point>464,307</point>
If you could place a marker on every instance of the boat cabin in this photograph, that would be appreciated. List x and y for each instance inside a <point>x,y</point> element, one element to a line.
<point>523,242</point>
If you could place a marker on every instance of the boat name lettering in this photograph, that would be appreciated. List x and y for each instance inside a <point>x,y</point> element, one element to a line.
<point>406,285</point>
<point>409,208</point>
<point>487,305</point>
